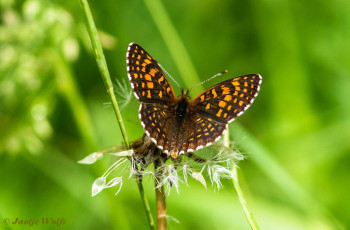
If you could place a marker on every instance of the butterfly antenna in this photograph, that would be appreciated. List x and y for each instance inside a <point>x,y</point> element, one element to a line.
<point>178,85</point>
<point>201,83</point>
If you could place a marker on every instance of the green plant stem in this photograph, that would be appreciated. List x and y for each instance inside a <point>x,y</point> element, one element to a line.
<point>102,65</point>
<point>145,204</point>
<point>247,211</point>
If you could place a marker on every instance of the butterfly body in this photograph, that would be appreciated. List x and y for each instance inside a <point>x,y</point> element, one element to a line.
<point>177,124</point>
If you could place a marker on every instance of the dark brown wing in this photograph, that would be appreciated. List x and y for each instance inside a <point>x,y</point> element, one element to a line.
<point>228,99</point>
<point>146,77</point>
<point>217,106</point>
<point>153,90</point>
<point>155,120</point>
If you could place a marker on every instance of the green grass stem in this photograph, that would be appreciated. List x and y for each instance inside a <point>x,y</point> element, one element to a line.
<point>102,65</point>
<point>243,201</point>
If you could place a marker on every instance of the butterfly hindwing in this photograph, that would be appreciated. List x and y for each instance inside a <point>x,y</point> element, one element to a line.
<point>146,77</point>
<point>204,130</point>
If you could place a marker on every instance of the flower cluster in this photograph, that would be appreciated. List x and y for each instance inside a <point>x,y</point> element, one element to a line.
<point>215,161</point>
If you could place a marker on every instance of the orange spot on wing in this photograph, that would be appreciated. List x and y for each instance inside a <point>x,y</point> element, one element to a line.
<point>214,93</point>
<point>235,83</point>
<point>219,113</point>
<point>222,104</point>
<point>160,80</point>
<point>240,103</point>
<point>225,90</point>
<point>228,98</point>
<point>148,77</point>
<point>150,85</point>
<point>207,107</point>
<point>153,71</point>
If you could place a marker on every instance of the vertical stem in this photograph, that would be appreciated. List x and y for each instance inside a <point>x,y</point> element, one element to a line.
<point>248,213</point>
<point>102,65</point>
<point>243,201</point>
<point>160,197</point>
<point>145,203</point>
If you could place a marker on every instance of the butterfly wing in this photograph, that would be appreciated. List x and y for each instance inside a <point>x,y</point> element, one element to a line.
<point>146,77</point>
<point>219,105</point>
<point>153,90</point>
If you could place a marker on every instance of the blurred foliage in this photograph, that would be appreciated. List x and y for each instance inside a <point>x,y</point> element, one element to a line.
<point>296,138</point>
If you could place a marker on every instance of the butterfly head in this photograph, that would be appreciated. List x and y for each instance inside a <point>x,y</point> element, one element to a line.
<point>184,92</point>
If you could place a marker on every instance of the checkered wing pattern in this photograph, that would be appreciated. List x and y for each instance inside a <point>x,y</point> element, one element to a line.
<point>219,105</point>
<point>178,125</point>
<point>174,135</point>
<point>202,131</point>
<point>156,120</point>
<point>147,78</point>
<point>228,99</point>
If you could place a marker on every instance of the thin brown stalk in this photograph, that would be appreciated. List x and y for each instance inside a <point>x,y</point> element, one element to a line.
<point>160,197</point>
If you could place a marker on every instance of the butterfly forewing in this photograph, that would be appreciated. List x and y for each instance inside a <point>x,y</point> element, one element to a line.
<point>147,78</point>
<point>228,99</point>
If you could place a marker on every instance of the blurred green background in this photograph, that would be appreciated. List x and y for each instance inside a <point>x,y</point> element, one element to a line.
<point>54,109</point>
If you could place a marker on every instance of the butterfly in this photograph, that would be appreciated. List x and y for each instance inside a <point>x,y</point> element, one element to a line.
<point>178,124</point>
